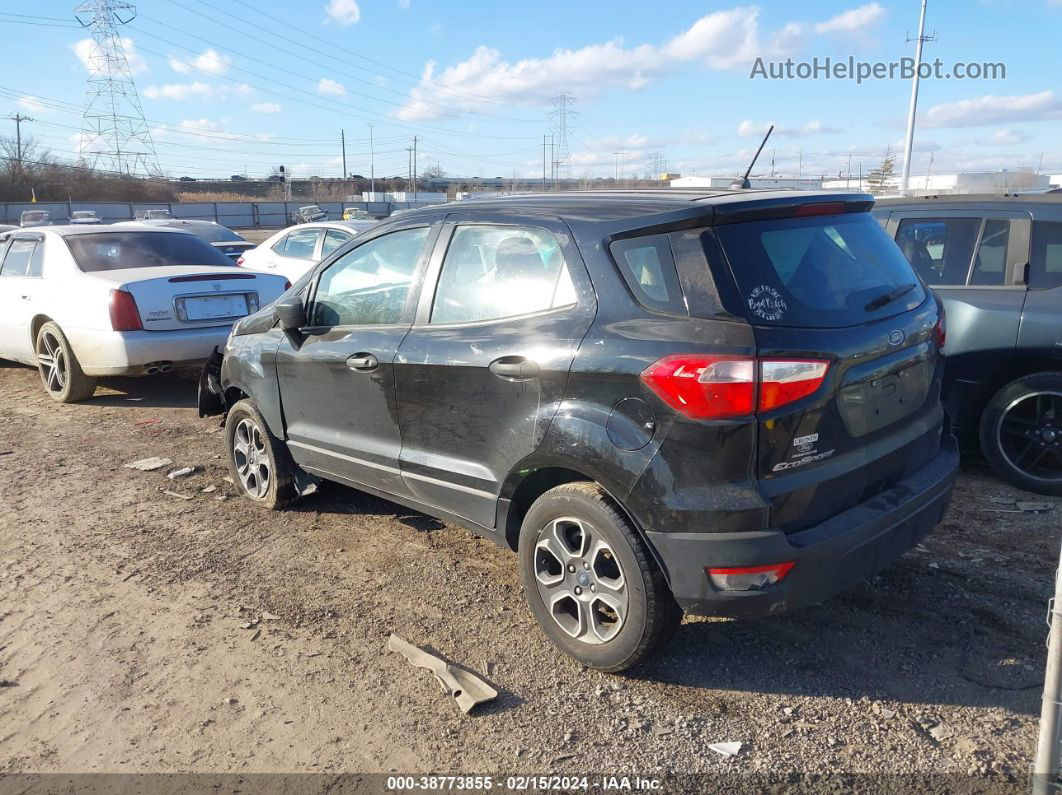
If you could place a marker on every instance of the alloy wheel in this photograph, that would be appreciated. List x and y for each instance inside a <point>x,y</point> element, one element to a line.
<point>51,361</point>
<point>580,580</point>
<point>251,458</point>
<point>1029,433</point>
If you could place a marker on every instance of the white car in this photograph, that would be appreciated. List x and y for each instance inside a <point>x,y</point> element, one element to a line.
<point>83,302</point>
<point>293,251</point>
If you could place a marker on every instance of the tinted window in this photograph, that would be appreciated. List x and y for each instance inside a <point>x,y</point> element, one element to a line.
<point>990,264</point>
<point>17,260</point>
<point>212,233</point>
<point>1045,261</point>
<point>333,240</point>
<point>36,264</point>
<point>648,268</point>
<point>370,284</point>
<point>108,251</point>
<point>492,272</point>
<point>940,249</point>
<point>299,244</point>
<point>828,271</point>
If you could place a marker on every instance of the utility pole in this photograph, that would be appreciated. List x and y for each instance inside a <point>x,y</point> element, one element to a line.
<point>552,165</point>
<point>908,144</point>
<point>343,143</point>
<point>543,162</point>
<point>372,164</point>
<point>619,153</point>
<point>409,168</point>
<point>414,168</point>
<point>18,118</point>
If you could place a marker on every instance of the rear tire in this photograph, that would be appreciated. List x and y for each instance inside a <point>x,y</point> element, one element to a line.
<point>590,581</point>
<point>61,373</point>
<point>1021,433</point>
<point>259,463</point>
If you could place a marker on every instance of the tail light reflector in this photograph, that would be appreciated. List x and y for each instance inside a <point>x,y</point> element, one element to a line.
<point>748,578</point>
<point>708,387</point>
<point>124,314</point>
<point>818,208</point>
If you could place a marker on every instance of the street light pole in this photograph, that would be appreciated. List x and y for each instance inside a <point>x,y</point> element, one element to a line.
<point>908,143</point>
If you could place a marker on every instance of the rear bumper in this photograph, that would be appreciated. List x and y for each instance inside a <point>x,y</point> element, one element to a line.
<point>830,557</point>
<point>129,352</point>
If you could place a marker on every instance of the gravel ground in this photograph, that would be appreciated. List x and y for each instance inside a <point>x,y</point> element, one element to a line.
<point>144,631</point>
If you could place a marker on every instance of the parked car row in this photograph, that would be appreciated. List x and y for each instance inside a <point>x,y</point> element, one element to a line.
<point>663,402</point>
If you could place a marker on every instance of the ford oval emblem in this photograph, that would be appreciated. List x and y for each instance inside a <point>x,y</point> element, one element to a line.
<point>896,337</point>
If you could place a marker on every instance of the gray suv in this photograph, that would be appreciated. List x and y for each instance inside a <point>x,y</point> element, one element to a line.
<point>996,261</point>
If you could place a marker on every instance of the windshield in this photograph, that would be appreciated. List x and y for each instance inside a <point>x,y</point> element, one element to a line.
<point>819,272</point>
<point>214,233</point>
<point>116,250</point>
<point>36,215</point>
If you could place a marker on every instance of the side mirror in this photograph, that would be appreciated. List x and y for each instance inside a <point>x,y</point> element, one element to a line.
<point>291,313</point>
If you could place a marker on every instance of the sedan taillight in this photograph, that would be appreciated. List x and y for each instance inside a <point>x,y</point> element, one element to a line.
<point>709,387</point>
<point>940,331</point>
<point>124,314</point>
<point>239,261</point>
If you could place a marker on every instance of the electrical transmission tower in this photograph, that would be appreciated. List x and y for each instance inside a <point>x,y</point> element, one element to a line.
<point>562,116</point>
<point>114,133</point>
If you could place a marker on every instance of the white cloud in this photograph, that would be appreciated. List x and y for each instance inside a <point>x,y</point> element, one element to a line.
<point>854,21</point>
<point>87,51</point>
<point>991,109</point>
<point>343,12</point>
<point>266,107</point>
<point>749,129</point>
<point>208,62</point>
<point>330,88</point>
<point>1007,136</point>
<point>720,40</point>
<point>32,104</point>
<point>179,91</point>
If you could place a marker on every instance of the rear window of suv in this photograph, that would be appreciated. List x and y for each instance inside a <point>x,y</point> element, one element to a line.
<point>109,251</point>
<point>819,272</point>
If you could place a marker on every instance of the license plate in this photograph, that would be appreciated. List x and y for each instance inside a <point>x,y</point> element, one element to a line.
<point>215,307</point>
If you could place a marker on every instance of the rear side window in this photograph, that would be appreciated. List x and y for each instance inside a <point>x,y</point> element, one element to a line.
<point>940,249</point>
<point>298,245</point>
<point>333,240</point>
<point>990,264</point>
<point>18,257</point>
<point>819,272</point>
<point>648,267</point>
<point>109,251</point>
<point>1045,261</point>
<point>492,272</point>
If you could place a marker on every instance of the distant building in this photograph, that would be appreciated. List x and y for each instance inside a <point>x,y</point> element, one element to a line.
<point>777,183</point>
<point>947,184</point>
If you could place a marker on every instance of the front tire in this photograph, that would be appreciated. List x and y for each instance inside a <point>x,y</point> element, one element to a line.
<point>591,583</point>
<point>1021,433</point>
<point>60,370</point>
<point>259,463</point>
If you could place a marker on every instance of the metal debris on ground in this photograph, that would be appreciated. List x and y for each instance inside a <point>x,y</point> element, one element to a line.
<point>149,464</point>
<point>466,688</point>
<point>726,749</point>
<point>183,472</point>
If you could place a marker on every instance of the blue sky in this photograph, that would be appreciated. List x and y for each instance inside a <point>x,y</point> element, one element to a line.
<point>235,85</point>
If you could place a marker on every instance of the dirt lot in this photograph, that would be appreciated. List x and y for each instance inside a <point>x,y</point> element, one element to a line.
<point>134,636</point>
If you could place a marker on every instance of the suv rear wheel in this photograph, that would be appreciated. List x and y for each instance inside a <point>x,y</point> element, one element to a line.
<point>590,581</point>
<point>1021,433</point>
<point>258,462</point>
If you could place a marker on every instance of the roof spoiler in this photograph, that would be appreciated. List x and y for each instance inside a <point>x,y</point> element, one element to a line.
<point>797,206</point>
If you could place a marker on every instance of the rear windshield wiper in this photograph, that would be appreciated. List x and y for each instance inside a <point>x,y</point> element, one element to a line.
<point>889,297</point>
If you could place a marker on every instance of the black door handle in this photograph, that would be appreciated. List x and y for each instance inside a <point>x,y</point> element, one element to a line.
<point>517,368</point>
<point>363,362</point>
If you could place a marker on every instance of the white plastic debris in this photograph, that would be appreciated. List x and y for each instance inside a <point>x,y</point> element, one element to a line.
<point>727,749</point>
<point>149,464</point>
<point>183,472</point>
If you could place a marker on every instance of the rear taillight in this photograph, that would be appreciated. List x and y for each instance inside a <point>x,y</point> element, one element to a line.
<point>786,381</point>
<point>287,285</point>
<point>124,314</point>
<point>940,331</point>
<point>748,578</point>
<point>818,208</point>
<point>239,261</point>
<point>706,387</point>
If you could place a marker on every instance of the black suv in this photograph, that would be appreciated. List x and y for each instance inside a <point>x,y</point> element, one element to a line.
<point>723,403</point>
